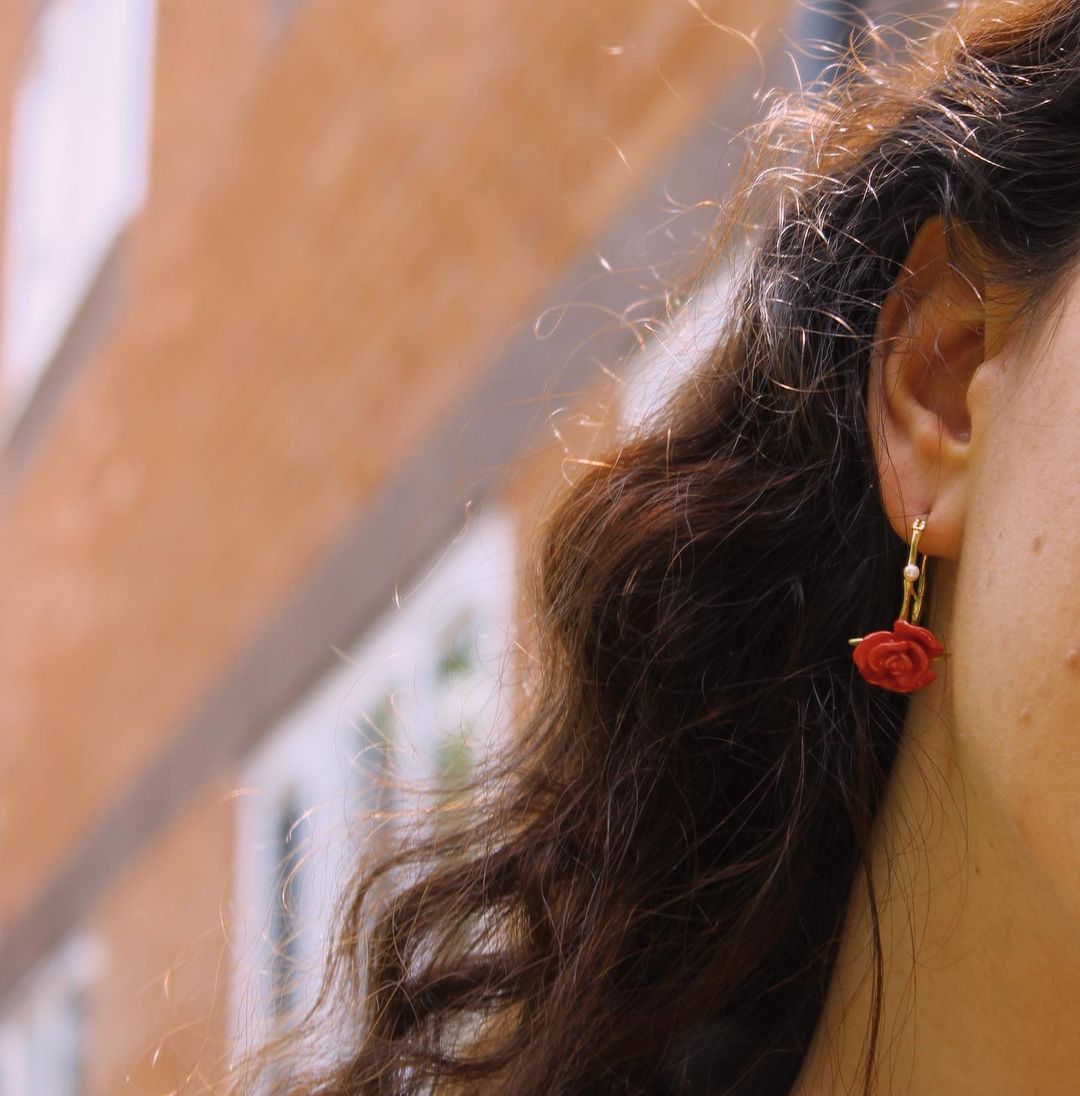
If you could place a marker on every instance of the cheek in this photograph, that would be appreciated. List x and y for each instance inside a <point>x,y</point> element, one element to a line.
<point>1015,632</point>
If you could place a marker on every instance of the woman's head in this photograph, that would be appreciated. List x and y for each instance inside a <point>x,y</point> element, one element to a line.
<point>655,900</point>
<point>974,416</point>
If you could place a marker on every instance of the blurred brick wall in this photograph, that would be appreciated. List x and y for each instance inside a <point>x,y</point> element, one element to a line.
<point>157,1012</point>
<point>345,220</point>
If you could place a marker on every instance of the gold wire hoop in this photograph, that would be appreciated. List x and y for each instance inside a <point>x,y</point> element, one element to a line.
<point>913,595</point>
<point>914,580</point>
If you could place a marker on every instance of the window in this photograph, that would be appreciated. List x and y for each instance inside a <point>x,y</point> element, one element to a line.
<point>371,761</point>
<point>77,172</point>
<point>42,1040</point>
<point>285,905</point>
<point>415,702</point>
<point>459,704</point>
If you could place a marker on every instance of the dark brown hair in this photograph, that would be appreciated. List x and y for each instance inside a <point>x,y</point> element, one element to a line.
<point>652,901</point>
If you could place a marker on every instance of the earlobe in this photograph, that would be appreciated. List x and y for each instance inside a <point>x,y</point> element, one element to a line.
<point>929,344</point>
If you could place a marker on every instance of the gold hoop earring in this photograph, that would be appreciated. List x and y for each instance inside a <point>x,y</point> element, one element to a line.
<point>900,660</point>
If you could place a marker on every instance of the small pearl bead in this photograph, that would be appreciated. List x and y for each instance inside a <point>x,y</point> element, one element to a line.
<point>911,572</point>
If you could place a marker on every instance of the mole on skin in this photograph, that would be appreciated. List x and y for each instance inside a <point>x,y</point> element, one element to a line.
<point>1036,545</point>
<point>1072,658</point>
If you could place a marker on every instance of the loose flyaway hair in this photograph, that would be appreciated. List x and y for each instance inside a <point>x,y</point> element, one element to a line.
<point>648,896</point>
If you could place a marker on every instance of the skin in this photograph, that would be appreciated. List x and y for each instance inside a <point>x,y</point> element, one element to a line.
<point>977,846</point>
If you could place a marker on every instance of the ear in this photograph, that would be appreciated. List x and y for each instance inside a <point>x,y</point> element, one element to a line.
<point>930,341</point>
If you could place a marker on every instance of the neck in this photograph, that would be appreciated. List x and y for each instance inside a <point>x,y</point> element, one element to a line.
<point>981,962</point>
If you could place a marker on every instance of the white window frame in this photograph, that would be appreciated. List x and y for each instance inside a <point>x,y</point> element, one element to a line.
<point>37,1039</point>
<point>77,172</point>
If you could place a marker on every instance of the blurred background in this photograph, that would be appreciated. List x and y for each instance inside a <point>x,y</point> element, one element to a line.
<point>306,305</point>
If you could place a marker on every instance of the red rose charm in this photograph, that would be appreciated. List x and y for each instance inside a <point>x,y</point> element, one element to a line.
<point>898,660</point>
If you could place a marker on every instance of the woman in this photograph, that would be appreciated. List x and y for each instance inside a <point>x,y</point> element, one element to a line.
<point>734,853</point>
